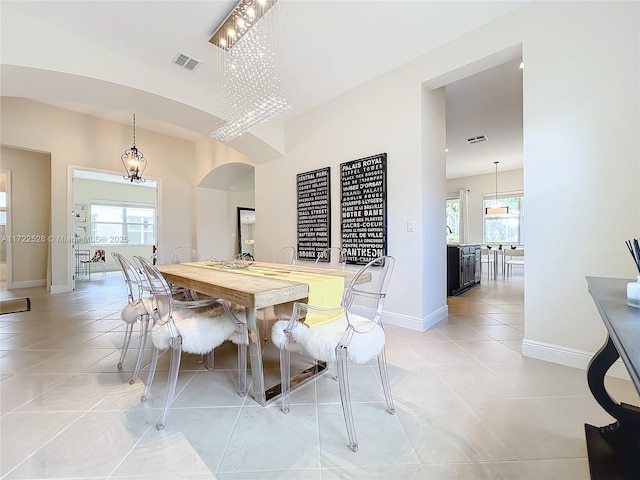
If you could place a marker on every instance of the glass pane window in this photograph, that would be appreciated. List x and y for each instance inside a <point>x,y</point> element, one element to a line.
<point>105,233</point>
<point>140,234</point>
<point>504,228</point>
<point>122,224</point>
<point>501,229</point>
<point>453,220</point>
<point>106,213</point>
<point>140,215</point>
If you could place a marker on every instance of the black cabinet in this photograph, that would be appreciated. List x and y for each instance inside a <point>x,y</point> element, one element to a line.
<point>463,268</point>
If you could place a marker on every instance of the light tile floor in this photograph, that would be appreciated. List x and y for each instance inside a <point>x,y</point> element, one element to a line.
<point>468,405</point>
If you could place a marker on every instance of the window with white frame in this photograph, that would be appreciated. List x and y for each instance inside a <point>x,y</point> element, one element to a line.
<point>122,223</point>
<point>505,228</point>
<point>453,217</point>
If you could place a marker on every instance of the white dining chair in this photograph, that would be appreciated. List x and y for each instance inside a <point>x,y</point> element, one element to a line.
<point>486,258</point>
<point>513,257</point>
<point>351,333</point>
<point>195,327</point>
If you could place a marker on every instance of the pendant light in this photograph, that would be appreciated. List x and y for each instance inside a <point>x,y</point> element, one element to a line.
<point>133,160</point>
<point>496,209</point>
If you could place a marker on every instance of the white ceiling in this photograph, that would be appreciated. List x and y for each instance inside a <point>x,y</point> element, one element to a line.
<point>327,48</point>
<point>488,103</point>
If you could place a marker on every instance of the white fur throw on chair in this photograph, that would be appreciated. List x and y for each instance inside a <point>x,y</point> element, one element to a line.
<point>131,313</point>
<point>200,328</point>
<point>321,341</point>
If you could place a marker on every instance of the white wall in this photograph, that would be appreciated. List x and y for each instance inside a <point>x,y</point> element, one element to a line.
<point>30,207</point>
<point>382,116</point>
<point>84,191</point>
<point>212,233</point>
<point>581,117</point>
<point>581,164</point>
<point>190,216</point>
<point>480,185</point>
<point>217,221</point>
<point>83,140</point>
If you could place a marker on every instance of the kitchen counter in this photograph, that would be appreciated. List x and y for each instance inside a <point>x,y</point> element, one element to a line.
<point>463,267</point>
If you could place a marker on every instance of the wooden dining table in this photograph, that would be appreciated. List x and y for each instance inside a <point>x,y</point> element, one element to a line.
<point>253,293</point>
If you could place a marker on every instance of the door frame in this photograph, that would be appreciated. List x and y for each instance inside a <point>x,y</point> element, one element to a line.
<point>71,170</point>
<point>8,230</point>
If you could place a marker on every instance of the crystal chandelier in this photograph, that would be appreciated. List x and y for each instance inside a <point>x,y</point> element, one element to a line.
<point>253,90</point>
<point>133,160</point>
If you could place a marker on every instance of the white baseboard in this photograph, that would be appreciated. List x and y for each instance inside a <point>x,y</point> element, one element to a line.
<point>60,289</point>
<point>29,284</point>
<point>568,357</point>
<point>413,323</point>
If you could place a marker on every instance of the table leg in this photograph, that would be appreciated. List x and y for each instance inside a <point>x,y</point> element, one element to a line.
<point>613,449</point>
<point>255,357</point>
<point>258,392</point>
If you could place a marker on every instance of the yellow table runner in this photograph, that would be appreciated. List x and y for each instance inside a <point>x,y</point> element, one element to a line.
<point>325,291</point>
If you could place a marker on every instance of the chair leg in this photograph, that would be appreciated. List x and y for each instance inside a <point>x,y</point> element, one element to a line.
<point>152,371</point>
<point>345,396</point>
<point>285,374</point>
<point>144,330</point>
<point>174,367</point>
<point>242,361</point>
<point>210,361</point>
<point>384,377</point>
<point>265,320</point>
<point>125,344</point>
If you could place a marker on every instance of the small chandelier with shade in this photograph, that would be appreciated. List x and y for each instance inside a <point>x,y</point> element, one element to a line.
<point>496,209</point>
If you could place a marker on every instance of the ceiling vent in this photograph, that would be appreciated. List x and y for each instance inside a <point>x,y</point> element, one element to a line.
<point>186,61</point>
<point>481,138</point>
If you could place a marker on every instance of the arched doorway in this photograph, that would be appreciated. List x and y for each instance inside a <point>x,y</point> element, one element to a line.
<point>219,195</point>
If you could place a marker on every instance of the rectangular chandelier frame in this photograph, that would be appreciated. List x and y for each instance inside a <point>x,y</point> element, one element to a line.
<point>243,16</point>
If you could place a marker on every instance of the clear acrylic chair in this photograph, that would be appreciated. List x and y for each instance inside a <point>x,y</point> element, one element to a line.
<point>178,292</point>
<point>138,261</point>
<point>286,255</point>
<point>195,327</point>
<point>184,255</point>
<point>138,309</point>
<point>332,257</point>
<point>350,333</point>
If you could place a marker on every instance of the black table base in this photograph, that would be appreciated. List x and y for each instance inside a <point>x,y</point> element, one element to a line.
<point>614,450</point>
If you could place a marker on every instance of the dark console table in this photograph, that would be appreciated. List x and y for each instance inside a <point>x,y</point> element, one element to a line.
<point>614,450</point>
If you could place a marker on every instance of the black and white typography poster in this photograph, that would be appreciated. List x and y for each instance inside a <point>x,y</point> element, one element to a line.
<point>314,213</point>
<point>363,208</point>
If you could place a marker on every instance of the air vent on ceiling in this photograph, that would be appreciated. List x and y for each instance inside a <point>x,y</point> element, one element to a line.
<point>481,138</point>
<point>186,61</point>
